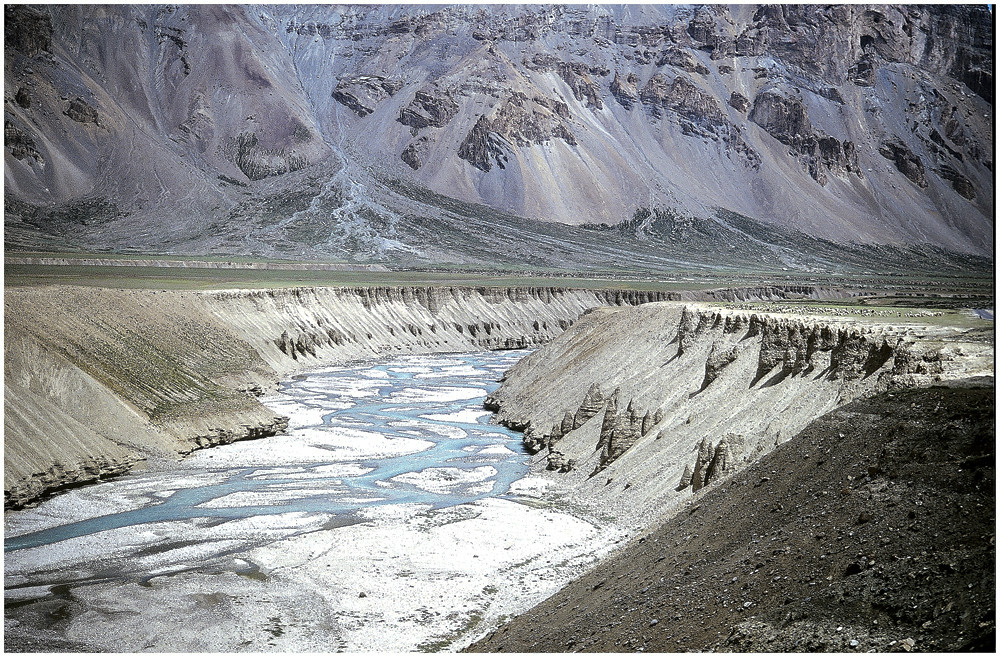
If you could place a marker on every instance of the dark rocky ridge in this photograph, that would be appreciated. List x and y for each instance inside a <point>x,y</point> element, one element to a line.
<point>870,530</point>
<point>786,120</point>
<point>362,93</point>
<point>520,121</point>
<point>593,112</point>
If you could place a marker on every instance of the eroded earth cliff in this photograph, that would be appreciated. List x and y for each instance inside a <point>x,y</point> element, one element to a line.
<point>796,482</point>
<point>97,380</point>
<point>639,408</point>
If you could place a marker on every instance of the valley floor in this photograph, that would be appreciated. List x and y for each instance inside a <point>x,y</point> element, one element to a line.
<point>391,517</point>
<point>852,511</point>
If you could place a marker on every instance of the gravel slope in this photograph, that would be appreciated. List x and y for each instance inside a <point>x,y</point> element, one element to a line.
<point>873,529</point>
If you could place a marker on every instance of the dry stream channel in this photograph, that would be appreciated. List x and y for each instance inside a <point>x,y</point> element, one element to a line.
<point>392,516</point>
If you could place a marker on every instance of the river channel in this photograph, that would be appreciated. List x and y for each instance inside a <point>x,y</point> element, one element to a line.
<point>391,516</point>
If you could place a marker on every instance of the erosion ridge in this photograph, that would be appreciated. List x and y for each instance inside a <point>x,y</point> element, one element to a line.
<point>97,380</point>
<point>634,421</point>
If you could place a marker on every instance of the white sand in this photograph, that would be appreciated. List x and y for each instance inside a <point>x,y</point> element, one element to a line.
<point>456,370</point>
<point>443,394</point>
<point>497,450</point>
<point>467,416</point>
<point>446,480</point>
<point>431,427</point>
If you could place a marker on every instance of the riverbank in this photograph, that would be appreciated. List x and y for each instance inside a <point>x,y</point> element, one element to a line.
<point>635,409</point>
<point>97,379</point>
<point>873,530</point>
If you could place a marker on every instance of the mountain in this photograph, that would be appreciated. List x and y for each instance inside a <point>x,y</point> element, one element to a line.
<point>546,136</point>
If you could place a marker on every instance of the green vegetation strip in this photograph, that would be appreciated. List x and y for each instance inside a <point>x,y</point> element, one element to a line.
<point>184,278</point>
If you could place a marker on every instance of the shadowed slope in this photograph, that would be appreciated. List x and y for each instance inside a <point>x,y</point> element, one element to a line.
<point>870,530</point>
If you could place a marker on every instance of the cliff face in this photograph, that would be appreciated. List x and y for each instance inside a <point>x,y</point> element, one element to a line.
<point>297,329</point>
<point>96,380</point>
<point>250,129</point>
<point>638,408</point>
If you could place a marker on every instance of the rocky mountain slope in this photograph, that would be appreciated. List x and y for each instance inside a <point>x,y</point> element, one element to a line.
<point>872,530</point>
<point>423,134</point>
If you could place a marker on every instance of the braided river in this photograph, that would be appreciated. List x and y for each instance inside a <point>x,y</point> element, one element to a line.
<point>391,516</point>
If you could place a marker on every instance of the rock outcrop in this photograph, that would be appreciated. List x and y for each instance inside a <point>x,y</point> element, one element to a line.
<point>428,109</point>
<point>625,89</point>
<point>697,112</point>
<point>959,183</point>
<point>518,121</point>
<point>785,118</point>
<point>906,162</point>
<point>740,102</point>
<point>257,162</point>
<point>682,59</point>
<point>19,144</point>
<point>577,75</point>
<point>362,93</point>
<point>27,30</point>
<point>592,404</point>
<point>81,112</point>
<point>712,463</point>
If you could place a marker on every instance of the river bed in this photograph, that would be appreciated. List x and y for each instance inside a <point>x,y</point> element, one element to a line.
<point>392,517</point>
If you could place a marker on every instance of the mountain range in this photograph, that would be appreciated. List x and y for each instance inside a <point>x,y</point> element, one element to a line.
<point>577,136</point>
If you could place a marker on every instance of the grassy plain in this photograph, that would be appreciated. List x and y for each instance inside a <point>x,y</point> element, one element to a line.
<point>128,276</point>
<point>891,310</point>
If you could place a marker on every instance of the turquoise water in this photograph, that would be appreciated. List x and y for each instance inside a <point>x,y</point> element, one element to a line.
<point>455,459</point>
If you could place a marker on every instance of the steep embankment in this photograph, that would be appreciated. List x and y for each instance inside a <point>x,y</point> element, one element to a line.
<point>98,379</point>
<point>295,329</point>
<point>637,408</point>
<point>873,530</point>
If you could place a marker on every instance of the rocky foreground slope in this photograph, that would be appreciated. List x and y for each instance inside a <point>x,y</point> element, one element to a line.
<point>452,134</point>
<point>97,380</point>
<point>872,530</point>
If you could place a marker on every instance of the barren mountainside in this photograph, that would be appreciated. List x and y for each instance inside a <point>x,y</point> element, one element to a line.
<point>424,134</point>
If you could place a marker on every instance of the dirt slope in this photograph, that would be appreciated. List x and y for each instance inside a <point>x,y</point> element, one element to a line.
<point>624,406</point>
<point>873,529</point>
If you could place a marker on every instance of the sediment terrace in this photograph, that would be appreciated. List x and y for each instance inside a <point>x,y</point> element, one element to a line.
<point>634,410</point>
<point>97,380</point>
